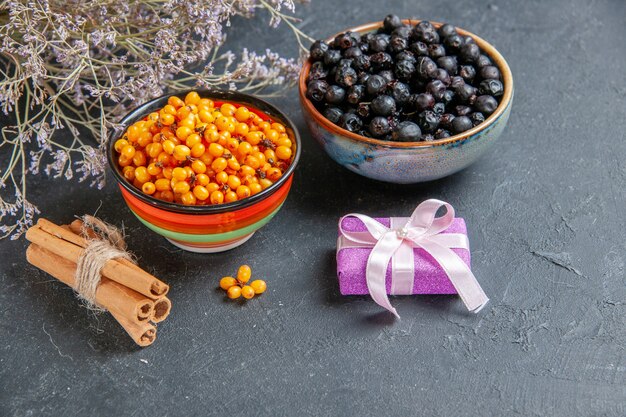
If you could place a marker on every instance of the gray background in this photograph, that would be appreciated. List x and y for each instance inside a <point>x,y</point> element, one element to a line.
<point>546,223</point>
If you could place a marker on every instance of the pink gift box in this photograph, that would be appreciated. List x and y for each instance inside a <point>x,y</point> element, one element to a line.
<point>429,276</point>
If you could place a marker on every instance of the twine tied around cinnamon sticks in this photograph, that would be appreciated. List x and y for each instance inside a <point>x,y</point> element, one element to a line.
<point>106,242</point>
<point>90,256</point>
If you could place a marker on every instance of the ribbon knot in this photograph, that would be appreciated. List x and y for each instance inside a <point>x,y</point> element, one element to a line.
<point>402,233</point>
<point>396,243</point>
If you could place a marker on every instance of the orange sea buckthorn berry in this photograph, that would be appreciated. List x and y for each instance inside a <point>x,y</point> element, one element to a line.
<point>230,196</point>
<point>154,169</point>
<point>241,129</point>
<point>232,144</point>
<point>227,282</point>
<point>260,156</point>
<point>168,146</point>
<point>211,135</point>
<point>179,174</point>
<point>212,186</point>
<point>283,152</point>
<point>192,140</point>
<point>181,152</point>
<point>280,128</point>
<point>272,135</point>
<point>183,131</point>
<point>253,138</point>
<point>133,133</point>
<point>265,183</point>
<point>167,172</point>
<point>284,142</point>
<point>169,109</point>
<point>162,184</point>
<point>259,286</point>
<point>198,150</point>
<point>222,123</point>
<point>141,174</point>
<point>244,273</point>
<point>154,149</point>
<point>221,177</point>
<point>189,171</point>
<point>246,170</point>
<point>120,144</point>
<point>263,126</point>
<point>228,109</point>
<point>206,116</point>
<point>217,197</point>
<point>207,158</point>
<point>252,162</point>
<point>255,188</point>
<point>148,188</point>
<point>233,182</point>
<point>244,148</point>
<point>129,173</point>
<point>234,164</point>
<point>243,191</point>
<point>181,187</point>
<point>273,174</point>
<point>219,164</point>
<point>200,192</point>
<point>167,195</point>
<point>247,292</point>
<point>234,292</point>
<point>198,166</point>
<point>175,101</point>
<point>216,150</point>
<point>140,158</point>
<point>202,179</point>
<point>167,119</point>
<point>242,114</point>
<point>129,151</point>
<point>192,98</point>
<point>188,198</point>
<point>270,156</point>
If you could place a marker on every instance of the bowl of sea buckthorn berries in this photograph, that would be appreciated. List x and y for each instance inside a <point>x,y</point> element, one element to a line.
<point>205,169</point>
<point>405,101</point>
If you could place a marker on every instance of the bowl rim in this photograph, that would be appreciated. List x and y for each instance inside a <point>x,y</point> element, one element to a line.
<point>485,46</point>
<point>235,97</point>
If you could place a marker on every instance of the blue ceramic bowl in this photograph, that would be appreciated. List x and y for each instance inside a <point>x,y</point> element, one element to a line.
<point>409,162</point>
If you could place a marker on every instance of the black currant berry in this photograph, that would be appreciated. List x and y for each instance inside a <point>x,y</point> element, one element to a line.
<point>316,90</point>
<point>383,105</point>
<point>406,132</point>
<point>379,126</point>
<point>351,122</point>
<point>485,104</point>
<point>461,124</point>
<point>335,94</point>
<point>333,114</point>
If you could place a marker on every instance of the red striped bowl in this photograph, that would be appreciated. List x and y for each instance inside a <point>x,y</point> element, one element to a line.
<point>207,229</point>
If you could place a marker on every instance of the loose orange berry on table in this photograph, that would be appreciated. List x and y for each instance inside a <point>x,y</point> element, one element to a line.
<point>259,286</point>
<point>247,292</point>
<point>234,292</point>
<point>244,273</point>
<point>227,282</point>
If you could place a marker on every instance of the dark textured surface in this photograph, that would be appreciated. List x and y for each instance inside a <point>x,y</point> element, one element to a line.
<point>545,213</point>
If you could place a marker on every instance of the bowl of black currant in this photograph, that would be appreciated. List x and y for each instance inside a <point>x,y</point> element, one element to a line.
<point>405,101</point>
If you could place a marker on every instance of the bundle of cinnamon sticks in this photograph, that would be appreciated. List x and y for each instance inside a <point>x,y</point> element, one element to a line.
<point>135,298</point>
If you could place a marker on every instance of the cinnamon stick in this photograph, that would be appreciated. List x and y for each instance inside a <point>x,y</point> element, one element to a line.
<point>62,243</point>
<point>77,228</point>
<point>161,310</point>
<point>143,334</point>
<point>110,295</point>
